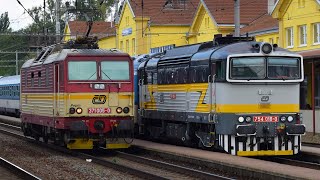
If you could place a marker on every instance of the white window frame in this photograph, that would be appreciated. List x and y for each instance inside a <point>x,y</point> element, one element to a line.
<point>316,32</point>
<point>289,44</point>
<point>303,35</point>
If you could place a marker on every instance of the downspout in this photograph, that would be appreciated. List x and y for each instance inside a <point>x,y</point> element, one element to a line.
<point>312,100</point>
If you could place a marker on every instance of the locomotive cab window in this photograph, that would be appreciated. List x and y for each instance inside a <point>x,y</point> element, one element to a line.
<point>249,68</point>
<point>82,70</point>
<point>283,68</point>
<point>115,70</point>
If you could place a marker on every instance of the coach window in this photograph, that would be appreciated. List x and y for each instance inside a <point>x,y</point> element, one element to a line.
<point>10,90</point>
<point>32,78</point>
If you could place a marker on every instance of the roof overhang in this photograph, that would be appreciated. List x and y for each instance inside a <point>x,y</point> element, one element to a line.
<point>262,32</point>
<point>310,54</point>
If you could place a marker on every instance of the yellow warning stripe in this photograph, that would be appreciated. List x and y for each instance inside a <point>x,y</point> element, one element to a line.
<point>264,153</point>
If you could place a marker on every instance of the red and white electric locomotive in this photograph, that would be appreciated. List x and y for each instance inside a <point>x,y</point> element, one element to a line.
<point>78,96</point>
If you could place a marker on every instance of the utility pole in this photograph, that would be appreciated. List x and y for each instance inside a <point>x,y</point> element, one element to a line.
<point>17,65</point>
<point>237,18</point>
<point>57,21</point>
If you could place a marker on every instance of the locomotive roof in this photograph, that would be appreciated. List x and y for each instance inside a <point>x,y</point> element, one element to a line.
<point>242,48</point>
<point>62,54</point>
<point>10,80</point>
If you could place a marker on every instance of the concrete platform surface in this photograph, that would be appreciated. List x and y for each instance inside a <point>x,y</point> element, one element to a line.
<point>235,161</point>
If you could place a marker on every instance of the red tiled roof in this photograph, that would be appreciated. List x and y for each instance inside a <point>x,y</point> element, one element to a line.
<point>160,14</point>
<point>223,10</point>
<point>99,28</point>
<point>265,22</point>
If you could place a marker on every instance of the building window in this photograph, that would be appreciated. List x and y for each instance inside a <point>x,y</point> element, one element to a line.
<point>289,34</point>
<point>133,46</point>
<point>206,22</point>
<point>121,45</point>
<point>127,46</point>
<point>303,35</point>
<point>316,33</point>
<point>127,21</point>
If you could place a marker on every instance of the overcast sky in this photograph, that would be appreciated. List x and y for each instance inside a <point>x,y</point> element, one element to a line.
<point>17,16</point>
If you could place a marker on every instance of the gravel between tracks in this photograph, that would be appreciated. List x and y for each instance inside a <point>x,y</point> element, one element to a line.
<point>48,164</point>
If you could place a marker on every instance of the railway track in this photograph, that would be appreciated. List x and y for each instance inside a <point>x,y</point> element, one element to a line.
<point>138,166</point>
<point>142,156</point>
<point>18,171</point>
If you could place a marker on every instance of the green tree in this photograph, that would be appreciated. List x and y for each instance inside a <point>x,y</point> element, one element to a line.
<point>4,22</point>
<point>10,43</point>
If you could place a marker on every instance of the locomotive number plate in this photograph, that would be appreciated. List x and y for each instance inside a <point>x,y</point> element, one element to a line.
<point>265,118</point>
<point>99,110</point>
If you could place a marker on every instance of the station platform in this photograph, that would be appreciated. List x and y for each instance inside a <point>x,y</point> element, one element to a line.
<point>224,159</point>
<point>291,172</point>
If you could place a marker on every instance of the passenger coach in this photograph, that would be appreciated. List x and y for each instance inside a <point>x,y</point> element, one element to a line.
<point>10,95</point>
<point>232,93</point>
<point>80,98</point>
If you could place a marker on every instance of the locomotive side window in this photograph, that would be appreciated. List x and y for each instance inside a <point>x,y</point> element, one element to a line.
<point>82,70</point>
<point>115,70</point>
<point>220,71</point>
<point>149,78</point>
<point>32,79</point>
<point>39,78</point>
<point>154,78</point>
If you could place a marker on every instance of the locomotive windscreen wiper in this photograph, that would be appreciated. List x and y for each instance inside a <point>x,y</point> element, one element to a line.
<point>256,74</point>
<point>106,75</point>
<point>92,75</point>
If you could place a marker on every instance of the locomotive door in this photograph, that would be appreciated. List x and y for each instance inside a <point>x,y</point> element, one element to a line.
<point>56,93</point>
<point>212,87</point>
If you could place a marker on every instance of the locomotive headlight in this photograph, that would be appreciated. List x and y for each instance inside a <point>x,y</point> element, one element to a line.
<point>119,110</point>
<point>126,110</point>
<point>72,110</point>
<point>79,110</point>
<point>99,86</point>
<point>248,119</point>
<point>241,119</point>
<point>266,48</point>
<point>290,118</point>
<point>283,118</point>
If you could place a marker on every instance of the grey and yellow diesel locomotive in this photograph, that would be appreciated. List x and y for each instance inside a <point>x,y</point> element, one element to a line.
<point>232,93</point>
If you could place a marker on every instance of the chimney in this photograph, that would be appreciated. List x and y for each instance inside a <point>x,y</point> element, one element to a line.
<point>271,4</point>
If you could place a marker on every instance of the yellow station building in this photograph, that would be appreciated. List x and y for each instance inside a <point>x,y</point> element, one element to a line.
<point>299,30</point>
